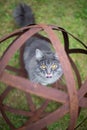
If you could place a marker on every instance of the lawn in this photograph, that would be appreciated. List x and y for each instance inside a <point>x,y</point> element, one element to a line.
<point>72,16</point>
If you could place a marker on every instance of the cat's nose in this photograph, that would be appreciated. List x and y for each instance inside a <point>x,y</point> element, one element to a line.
<point>48,75</point>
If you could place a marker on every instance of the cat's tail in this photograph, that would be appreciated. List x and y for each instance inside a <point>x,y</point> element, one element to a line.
<point>23,15</point>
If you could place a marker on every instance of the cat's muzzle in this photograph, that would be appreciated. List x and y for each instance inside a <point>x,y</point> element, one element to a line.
<point>48,75</point>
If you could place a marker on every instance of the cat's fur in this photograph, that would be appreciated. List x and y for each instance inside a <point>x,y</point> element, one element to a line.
<point>41,63</point>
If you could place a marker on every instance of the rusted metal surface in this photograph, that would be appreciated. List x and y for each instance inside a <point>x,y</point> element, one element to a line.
<point>71,99</point>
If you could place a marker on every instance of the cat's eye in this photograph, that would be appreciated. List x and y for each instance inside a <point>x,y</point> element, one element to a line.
<point>43,66</point>
<point>54,66</point>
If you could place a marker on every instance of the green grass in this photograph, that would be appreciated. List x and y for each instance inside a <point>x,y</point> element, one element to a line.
<point>72,16</point>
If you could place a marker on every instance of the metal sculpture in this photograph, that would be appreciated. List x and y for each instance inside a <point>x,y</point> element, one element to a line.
<point>71,99</point>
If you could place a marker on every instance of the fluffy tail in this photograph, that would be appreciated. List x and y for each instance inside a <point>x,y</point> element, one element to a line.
<point>23,15</point>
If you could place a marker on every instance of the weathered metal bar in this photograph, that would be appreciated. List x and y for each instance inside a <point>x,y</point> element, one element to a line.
<point>4,94</point>
<point>30,103</point>
<point>68,76</point>
<point>52,117</point>
<point>45,92</point>
<point>6,118</point>
<point>15,46</point>
<point>17,111</point>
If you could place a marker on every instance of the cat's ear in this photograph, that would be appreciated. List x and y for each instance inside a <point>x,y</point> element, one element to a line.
<point>38,54</point>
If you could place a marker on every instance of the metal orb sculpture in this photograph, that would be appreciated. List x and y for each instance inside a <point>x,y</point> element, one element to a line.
<point>71,100</point>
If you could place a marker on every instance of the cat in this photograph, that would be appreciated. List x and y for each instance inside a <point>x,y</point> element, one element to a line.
<point>41,62</point>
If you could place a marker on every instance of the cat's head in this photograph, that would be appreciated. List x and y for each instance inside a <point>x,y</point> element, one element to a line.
<point>49,68</point>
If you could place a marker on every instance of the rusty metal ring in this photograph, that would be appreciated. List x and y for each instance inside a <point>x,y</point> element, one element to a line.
<point>71,101</point>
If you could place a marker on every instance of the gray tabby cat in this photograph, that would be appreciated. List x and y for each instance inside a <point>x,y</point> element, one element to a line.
<point>41,62</point>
